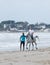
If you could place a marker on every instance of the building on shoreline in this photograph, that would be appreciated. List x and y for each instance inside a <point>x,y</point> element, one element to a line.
<point>13,26</point>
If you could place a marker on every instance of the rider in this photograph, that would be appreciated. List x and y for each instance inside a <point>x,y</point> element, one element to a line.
<point>31,32</point>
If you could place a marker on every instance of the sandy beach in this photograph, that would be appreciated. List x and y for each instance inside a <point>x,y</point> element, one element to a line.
<point>35,57</point>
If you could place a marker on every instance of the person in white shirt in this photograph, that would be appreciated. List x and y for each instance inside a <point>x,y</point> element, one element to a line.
<point>31,32</point>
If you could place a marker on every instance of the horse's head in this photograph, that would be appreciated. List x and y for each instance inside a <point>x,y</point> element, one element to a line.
<point>36,37</point>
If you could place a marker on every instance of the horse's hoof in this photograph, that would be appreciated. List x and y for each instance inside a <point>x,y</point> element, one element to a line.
<point>26,48</point>
<point>36,48</point>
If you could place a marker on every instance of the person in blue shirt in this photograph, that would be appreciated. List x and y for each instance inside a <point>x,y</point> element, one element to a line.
<point>22,41</point>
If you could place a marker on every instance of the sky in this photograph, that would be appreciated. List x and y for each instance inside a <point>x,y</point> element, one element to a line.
<point>32,11</point>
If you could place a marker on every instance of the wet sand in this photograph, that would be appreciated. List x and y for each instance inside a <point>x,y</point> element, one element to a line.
<point>35,57</point>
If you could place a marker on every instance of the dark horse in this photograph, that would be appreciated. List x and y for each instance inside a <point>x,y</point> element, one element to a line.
<point>31,41</point>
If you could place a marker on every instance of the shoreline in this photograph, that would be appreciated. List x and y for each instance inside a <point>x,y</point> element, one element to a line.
<point>23,31</point>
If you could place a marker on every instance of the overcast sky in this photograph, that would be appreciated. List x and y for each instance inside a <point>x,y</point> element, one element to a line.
<point>25,10</point>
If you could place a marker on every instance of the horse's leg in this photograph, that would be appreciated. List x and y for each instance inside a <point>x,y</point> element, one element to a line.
<point>29,46</point>
<point>26,45</point>
<point>32,46</point>
<point>20,46</point>
<point>36,45</point>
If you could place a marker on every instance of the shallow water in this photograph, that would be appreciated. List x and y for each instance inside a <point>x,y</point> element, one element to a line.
<point>11,41</point>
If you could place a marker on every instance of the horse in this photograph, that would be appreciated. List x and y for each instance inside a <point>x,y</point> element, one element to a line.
<point>31,41</point>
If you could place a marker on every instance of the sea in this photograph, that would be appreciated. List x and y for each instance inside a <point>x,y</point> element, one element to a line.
<point>11,41</point>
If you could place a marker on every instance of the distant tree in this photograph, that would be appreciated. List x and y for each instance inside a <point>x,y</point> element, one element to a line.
<point>25,25</point>
<point>22,25</point>
<point>1,27</point>
<point>31,25</point>
<point>48,26</point>
<point>42,24</point>
<point>8,22</point>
